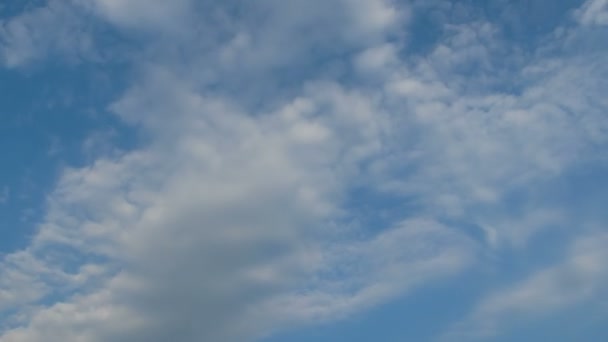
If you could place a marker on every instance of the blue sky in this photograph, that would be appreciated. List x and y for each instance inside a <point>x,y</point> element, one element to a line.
<point>303,170</point>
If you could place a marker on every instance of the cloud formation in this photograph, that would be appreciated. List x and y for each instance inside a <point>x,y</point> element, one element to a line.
<point>234,216</point>
<point>577,279</point>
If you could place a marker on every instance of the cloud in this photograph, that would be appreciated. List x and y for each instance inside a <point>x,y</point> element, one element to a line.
<point>55,29</point>
<point>488,127</point>
<point>208,253</point>
<point>226,226</point>
<point>593,12</point>
<point>581,276</point>
<point>233,217</point>
<point>158,16</point>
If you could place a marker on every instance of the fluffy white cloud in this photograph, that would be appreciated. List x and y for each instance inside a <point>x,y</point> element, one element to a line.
<point>226,225</point>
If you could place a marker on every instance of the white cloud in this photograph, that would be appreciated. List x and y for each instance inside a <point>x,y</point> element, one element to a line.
<point>231,219</point>
<point>581,276</point>
<point>156,15</point>
<point>226,226</point>
<point>54,29</point>
<point>475,142</point>
<point>377,61</point>
<point>593,12</point>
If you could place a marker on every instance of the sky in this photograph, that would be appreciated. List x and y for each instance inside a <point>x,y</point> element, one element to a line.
<point>303,170</point>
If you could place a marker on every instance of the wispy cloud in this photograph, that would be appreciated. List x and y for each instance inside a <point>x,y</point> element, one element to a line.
<point>580,277</point>
<point>53,29</point>
<point>232,218</point>
<point>594,13</point>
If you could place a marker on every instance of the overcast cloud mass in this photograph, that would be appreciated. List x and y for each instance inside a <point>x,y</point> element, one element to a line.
<point>303,170</point>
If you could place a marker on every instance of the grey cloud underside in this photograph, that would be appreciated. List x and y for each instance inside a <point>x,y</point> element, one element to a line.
<point>231,221</point>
